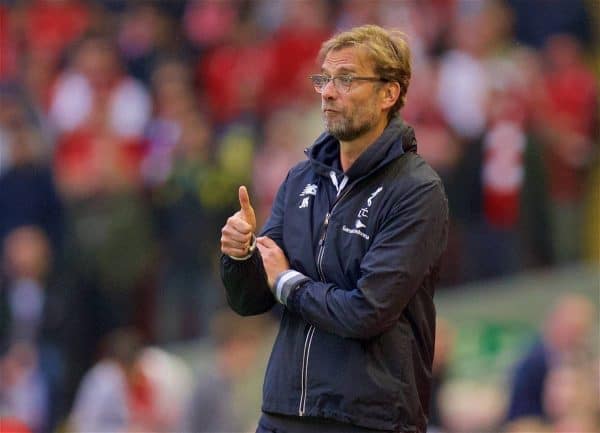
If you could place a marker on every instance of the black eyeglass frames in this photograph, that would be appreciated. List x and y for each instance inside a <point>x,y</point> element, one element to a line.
<point>342,83</point>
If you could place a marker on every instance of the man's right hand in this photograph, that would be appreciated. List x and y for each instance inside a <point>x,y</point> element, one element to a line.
<point>237,233</point>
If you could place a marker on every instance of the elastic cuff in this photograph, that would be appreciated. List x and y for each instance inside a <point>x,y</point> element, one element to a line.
<point>286,282</point>
<point>251,249</point>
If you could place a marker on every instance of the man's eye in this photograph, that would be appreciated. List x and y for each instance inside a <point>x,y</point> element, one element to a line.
<point>346,80</point>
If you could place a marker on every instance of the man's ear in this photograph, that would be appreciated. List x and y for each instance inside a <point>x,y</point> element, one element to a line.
<point>391,93</point>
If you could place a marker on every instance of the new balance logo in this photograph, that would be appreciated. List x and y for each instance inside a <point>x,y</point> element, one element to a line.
<point>304,203</point>
<point>309,189</point>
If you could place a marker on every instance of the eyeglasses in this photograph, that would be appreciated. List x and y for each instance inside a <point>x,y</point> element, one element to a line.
<point>342,83</point>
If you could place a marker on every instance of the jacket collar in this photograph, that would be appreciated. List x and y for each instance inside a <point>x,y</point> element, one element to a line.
<point>396,139</point>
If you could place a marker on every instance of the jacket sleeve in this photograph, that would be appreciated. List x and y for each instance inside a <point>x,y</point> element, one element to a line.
<point>403,252</point>
<point>245,281</point>
<point>246,285</point>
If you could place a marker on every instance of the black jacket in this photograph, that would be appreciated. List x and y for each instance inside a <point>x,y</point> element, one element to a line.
<point>356,339</point>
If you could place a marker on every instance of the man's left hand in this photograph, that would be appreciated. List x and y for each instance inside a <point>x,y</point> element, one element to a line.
<point>274,260</point>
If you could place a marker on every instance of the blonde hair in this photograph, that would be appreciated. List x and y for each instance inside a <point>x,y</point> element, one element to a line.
<point>387,49</point>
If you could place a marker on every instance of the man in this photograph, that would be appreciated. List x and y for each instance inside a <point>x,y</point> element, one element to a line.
<point>219,402</point>
<point>351,249</point>
<point>562,345</point>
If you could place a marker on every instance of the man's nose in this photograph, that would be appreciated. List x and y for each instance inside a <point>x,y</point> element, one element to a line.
<point>329,91</point>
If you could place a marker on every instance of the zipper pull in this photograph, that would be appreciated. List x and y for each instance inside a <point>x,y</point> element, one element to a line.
<point>324,228</point>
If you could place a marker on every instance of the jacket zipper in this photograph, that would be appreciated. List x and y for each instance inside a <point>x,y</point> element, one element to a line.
<point>311,328</point>
<point>304,379</point>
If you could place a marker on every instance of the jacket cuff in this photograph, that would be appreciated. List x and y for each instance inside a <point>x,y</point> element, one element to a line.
<point>286,283</point>
<point>251,249</point>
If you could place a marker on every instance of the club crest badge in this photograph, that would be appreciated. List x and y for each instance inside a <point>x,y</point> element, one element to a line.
<point>362,217</point>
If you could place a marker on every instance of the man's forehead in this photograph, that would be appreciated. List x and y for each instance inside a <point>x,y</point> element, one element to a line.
<point>351,58</point>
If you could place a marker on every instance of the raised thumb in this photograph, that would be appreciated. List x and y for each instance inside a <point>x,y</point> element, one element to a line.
<point>246,207</point>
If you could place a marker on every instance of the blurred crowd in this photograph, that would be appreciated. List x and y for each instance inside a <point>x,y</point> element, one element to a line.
<point>552,387</point>
<point>126,127</point>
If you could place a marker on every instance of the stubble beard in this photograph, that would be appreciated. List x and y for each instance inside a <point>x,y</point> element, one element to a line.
<point>350,126</point>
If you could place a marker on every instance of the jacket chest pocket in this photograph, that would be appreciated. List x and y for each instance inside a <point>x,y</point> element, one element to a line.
<point>344,248</point>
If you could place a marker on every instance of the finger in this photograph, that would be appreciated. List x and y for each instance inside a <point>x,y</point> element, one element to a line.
<point>234,252</point>
<point>261,245</point>
<point>239,224</point>
<point>245,205</point>
<point>261,248</point>
<point>230,242</point>
<point>267,242</point>
<point>234,240</point>
<point>234,243</point>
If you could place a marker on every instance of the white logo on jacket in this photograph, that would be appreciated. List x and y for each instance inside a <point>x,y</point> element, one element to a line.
<point>304,203</point>
<point>362,216</point>
<point>372,196</point>
<point>355,232</point>
<point>359,224</point>
<point>309,189</point>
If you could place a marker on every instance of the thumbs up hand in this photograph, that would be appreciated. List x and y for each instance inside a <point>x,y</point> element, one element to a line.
<point>237,233</point>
